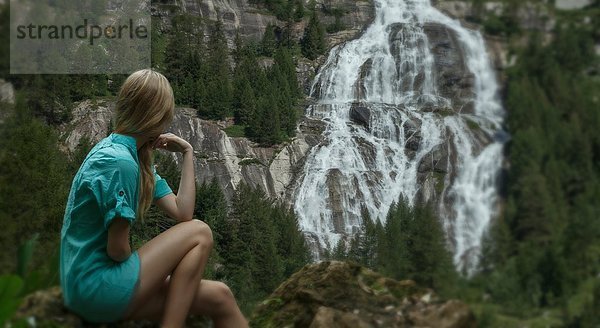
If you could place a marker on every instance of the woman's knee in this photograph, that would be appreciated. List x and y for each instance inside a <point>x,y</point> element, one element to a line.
<point>201,233</point>
<point>223,296</point>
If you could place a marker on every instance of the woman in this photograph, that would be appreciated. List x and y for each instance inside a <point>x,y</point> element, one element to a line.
<point>102,279</point>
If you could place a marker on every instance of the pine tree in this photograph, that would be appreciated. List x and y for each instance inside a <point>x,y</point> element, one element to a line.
<point>298,10</point>
<point>175,58</point>
<point>431,261</point>
<point>269,41</point>
<point>218,94</point>
<point>34,182</point>
<point>339,251</point>
<point>367,244</point>
<point>211,207</point>
<point>313,42</point>
<point>291,244</point>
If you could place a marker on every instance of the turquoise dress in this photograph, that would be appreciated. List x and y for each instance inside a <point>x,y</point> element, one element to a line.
<point>106,186</point>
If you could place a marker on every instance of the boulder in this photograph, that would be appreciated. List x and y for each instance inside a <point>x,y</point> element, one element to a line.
<point>337,294</point>
<point>360,114</point>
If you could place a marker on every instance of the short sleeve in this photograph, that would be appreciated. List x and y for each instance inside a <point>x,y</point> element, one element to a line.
<point>161,187</point>
<point>115,187</point>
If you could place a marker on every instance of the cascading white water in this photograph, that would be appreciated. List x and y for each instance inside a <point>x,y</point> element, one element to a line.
<point>390,72</point>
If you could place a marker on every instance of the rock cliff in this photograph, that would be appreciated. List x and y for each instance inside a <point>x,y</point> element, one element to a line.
<point>230,160</point>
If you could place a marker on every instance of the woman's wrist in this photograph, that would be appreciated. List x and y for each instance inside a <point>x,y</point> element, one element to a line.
<point>188,150</point>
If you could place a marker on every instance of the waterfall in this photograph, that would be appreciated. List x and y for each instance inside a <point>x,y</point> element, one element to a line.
<point>386,116</point>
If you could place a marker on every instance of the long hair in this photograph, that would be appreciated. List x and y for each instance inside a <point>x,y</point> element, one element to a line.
<point>145,107</point>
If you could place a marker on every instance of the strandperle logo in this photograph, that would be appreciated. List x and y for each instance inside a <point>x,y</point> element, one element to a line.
<point>83,31</point>
<point>79,37</point>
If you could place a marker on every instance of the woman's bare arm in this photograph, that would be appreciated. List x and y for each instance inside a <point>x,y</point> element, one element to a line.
<point>186,195</point>
<point>181,206</point>
<point>118,247</point>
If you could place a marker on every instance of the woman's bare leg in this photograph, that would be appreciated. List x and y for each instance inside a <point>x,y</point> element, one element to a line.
<point>181,251</point>
<point>213,299</point>
<point>216,300</point>
<point>184,283</point>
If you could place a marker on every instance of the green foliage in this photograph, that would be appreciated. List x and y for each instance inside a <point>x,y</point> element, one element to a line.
<point>217,84</point>
<point>159,44</point>
<point>261,246</point>
<point>338,13</point>
<point>313,41</point>
<point>284,10</point>
<point>267,106</point>
<point>28,279</point>
<point>262,100</point>
<point>336,26</point>
<point>503,25</point>
<point>211,208</point>
<point>10,290</point>
<point>33,182</point>
<point>235,131</point>
<point>545,249</point>
<point>411,245</point>
<point>269,41</point>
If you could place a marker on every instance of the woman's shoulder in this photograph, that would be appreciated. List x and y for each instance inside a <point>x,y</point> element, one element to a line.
<point>110,157</point>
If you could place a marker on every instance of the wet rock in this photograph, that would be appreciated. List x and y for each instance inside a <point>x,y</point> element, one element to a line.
<point>412,137</point>
<point>357,15</point>
<point>435,161</point>
<point>454,9</point>
<point>335,200</point>
<point>407,36</point>
<point>341,294</point>
<point>365,68</point>
<point>453,77</point>
<point>360,114</point>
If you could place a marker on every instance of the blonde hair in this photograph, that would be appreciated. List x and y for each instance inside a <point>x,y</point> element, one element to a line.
<point>145,107</point>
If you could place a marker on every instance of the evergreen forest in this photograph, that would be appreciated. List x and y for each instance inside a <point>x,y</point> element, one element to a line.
<point>540,262</point>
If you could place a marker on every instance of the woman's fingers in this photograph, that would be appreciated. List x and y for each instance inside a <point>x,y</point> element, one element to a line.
<point>170,142</point>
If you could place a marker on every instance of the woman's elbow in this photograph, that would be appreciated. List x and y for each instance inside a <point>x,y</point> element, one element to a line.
<point>119,254</point>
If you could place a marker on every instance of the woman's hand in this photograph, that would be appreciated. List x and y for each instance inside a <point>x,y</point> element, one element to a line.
<point>172,143</point>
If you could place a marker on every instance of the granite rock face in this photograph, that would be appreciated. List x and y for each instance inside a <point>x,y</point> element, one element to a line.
<point>91,120</point>
<point>251,20</point>
<point>452,74</point>
<point>229,160</point>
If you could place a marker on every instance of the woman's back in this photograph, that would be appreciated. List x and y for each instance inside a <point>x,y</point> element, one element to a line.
<point>105,187</point>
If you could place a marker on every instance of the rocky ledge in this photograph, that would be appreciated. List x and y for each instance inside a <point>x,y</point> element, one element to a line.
<point>340,294</point>
<point>328,294</point>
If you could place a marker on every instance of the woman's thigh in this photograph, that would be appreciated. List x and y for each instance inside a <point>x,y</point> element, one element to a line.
<point>212,299</point>
<point>153,306</point>
<point>161,255</point>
